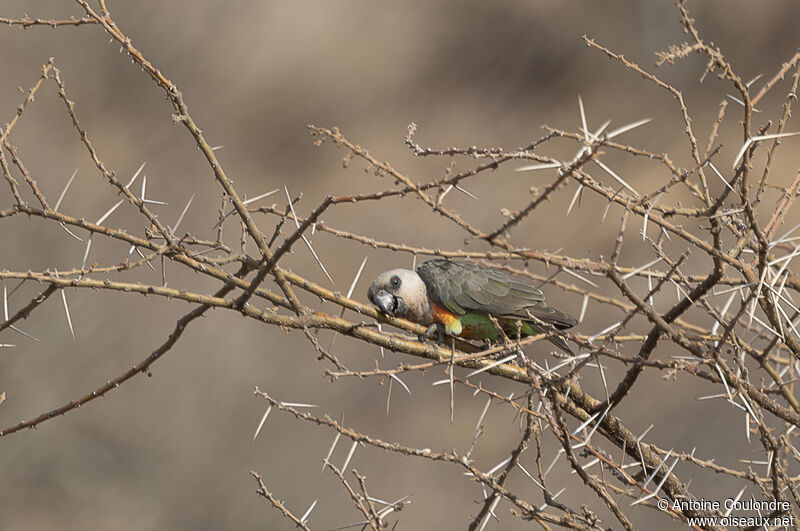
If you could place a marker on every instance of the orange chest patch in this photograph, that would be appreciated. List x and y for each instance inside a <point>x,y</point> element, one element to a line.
<point>440,315</point>
<point>452,324</point>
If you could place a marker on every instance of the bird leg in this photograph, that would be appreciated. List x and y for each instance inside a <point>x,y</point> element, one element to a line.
<point>434,332</point>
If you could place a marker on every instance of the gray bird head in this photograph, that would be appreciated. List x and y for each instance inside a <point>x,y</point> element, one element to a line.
<point>401,293</point>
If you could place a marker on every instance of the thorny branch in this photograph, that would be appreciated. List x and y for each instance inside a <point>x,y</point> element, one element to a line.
<point>732,323</point>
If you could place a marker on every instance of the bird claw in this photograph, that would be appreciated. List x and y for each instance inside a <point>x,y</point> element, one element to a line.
<point>434,332</point>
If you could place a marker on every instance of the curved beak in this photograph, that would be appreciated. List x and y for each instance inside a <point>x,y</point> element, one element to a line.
<point>388,303</point>
<point>385,301</point>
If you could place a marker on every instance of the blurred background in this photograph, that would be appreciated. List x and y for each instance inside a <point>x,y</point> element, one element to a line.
<point>174,451</point>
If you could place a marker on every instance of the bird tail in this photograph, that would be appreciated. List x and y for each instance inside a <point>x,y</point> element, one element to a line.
<point>561,343</point>
<point>555,318</point>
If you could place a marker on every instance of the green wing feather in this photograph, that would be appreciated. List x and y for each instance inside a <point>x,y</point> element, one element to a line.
<point>461,287</point>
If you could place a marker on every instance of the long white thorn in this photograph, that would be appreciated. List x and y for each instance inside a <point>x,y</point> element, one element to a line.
<point>135,175</point>
<point>584,305</point>
<point>297,404</point>
<point>583,425</point>
<point>660,484</point>
<point>786,235</point>
<point>605,331</point>
<point>584,127</point>
<point>398,380</point>
<point>465,192</point>
<point>722,313</point>
<point>66,310</point>
<point>262,196</point>
<point>575,198</point>
<point>785,265</point>
<point>600,129</point>
<point>305,240</point>
<point>626,128</point>
<point>576,275</point>
<point>64,191</point>
<point>483,413</point>
<point>638,270</point>
<point>647,216</point>
<point>185,209</point>
<point>304,518</point>
<point>492,365</point>
<point>759,138</point>
<point>724,381</point>
<point>498,466</point>
<point>542,166</point>
<point>261,423</point>
<point>733,503</point>
<point>358,275</point>
<point>330,450</point>
<point>349,456</point>
<point>721,177</point>
<point>490,513</point>
<point>109,212</point>
<point>568,361</point>
<point>619,179</point>
<point>86,252</point>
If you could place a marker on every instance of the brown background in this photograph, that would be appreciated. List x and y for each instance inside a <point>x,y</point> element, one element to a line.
<point>173,451</point>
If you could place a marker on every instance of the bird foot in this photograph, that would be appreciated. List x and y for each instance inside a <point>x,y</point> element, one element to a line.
<point>434,332</point>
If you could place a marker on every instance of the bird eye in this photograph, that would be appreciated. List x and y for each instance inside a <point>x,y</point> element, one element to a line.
<point>395,280</point>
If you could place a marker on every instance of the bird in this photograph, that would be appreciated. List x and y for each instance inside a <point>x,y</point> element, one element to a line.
<point>457,298</point>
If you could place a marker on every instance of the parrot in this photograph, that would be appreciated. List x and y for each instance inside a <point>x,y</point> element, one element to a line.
<point>456,298</point>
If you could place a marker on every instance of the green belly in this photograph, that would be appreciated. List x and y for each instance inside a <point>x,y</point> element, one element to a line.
<point>479,326</point>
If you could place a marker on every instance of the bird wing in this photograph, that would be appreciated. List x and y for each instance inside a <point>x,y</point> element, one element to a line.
<point>462,287</point>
